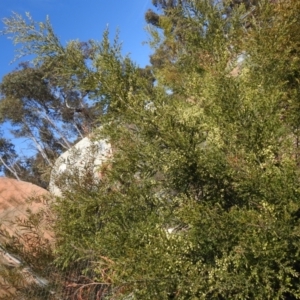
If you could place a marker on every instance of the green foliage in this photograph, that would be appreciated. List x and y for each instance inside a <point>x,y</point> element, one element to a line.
<point>35,38</point>
<point>201,197</point>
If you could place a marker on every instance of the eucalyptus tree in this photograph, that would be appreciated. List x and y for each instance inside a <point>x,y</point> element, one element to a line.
<point>49,107</point>
<point>8,157</point>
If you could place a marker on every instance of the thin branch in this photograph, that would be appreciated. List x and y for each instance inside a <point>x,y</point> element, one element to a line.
<point>12,170</point>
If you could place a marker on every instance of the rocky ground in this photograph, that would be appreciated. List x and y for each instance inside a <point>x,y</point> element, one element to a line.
<point>16,198</point>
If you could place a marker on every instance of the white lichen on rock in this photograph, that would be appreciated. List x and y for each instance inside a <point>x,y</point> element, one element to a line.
<point>86,155</point>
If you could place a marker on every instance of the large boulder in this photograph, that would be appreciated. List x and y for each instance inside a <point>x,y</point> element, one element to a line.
<point>85,156</point>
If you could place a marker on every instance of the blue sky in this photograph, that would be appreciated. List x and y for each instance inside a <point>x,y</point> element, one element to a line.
<point>83,20</point>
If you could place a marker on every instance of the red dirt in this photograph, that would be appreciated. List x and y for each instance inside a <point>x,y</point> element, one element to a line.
<point>14,196</point>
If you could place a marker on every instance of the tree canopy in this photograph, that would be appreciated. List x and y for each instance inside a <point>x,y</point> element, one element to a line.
<point>201,197</point>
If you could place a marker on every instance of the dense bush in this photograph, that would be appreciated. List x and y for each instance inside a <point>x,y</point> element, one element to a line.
<point>201,197</point>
